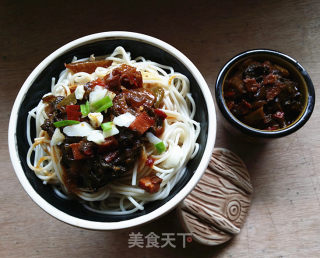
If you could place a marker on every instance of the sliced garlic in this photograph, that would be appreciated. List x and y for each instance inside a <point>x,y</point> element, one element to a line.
<point>95,119</point>
<point>57,137</point>
<point>113,131</point>
<point>97,94</point>
<point>79,92</point>
<point>96,136</point>
<point>124,120</point>
<point>82,129</point>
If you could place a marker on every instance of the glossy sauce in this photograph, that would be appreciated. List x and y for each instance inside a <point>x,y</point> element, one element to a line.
<point>263,95</point>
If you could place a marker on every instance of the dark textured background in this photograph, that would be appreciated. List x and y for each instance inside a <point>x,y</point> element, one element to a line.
<point>284,218</point>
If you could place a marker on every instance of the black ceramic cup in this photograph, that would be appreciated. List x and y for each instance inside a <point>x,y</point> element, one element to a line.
<point>296,71</point>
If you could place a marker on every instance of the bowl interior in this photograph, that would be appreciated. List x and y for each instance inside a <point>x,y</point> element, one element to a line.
<point>42,85</point>
<point>297,73</point>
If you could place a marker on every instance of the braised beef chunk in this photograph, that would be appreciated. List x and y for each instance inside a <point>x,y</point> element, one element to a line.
<point>142,123</point>
<point>113,82</point>
<point>51,109</point>
<point>123,75</point>
<point>87,148</point>
<point>133,101</point>
<point>53,112</point>
<point>150,183</point>
<point>49,99</point>
<point>130,77</point>
<point>263,95</point>
<point>138,98</point>
<point>48,126</point>
<point>87,66</point>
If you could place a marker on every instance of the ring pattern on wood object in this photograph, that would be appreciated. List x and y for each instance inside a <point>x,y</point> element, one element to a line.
<point>233,210</point>
<point>216,208</point>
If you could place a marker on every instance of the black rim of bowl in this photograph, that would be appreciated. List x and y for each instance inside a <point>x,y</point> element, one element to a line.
<point>36,91</point>
<point>253,131</point>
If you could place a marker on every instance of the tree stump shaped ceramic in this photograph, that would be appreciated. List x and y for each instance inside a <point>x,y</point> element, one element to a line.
<point>217,207</point>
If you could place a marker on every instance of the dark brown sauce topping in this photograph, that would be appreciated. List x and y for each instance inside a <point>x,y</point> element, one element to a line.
<point>263,95</point>
<point>90,166</point>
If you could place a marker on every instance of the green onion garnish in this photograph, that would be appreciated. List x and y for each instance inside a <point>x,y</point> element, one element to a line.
<point>106,126</point>
<point>104,107</point>
<point>65,123</point>
<point>102,104</point>
<point>160,147</point>
<point>85,109</point>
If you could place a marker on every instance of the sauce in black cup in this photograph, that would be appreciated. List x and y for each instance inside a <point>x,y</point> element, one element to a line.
<point>264,94</point>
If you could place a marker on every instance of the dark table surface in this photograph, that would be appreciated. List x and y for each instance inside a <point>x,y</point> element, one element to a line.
<point>284,217</point>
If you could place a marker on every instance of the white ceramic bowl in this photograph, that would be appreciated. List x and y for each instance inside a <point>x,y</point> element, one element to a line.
<point>38,83</point>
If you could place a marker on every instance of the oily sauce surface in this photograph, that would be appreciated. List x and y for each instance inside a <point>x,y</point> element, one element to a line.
<point>263,95</point>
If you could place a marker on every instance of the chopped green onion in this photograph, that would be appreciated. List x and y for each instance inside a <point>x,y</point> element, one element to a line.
<point>160,147</point>
<point>102,104</point>
<point>158,144</point>
<point>106,126</point>
<point>104,107</point>
<point>85,109</point>
<point>65,123</point>
<point>152,138</point>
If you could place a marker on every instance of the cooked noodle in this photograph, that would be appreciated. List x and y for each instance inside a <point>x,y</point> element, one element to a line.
<point>123,195</point>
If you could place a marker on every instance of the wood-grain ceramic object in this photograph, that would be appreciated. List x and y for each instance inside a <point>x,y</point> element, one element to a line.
<point>217,207</point>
